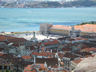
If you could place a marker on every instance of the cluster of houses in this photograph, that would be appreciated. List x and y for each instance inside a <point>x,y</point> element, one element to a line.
<point>49,55</point>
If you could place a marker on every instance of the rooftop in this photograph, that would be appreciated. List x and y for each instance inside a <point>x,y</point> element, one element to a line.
<point>89,49</point>
<point>77,61</point>
<point>86,27</point>
<point>49,61</point>
<point>61,27</point>
<point>83,28</point>
<point>70,55</point>
<point>26,57</point>
<point>51,42</point>
<point>42,53</point>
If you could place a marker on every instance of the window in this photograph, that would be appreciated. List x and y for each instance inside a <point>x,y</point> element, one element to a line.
<point>0,67</point>
<point>5,67</point>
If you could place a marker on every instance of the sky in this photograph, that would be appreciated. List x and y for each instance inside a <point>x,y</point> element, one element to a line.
<point>41,0</point>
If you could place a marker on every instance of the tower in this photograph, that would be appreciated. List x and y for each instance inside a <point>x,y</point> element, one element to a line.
<point>45,65</point>
<point>34,37</point>
<point>33,34</point>
<point>34,60</point>
<point>72,32</point>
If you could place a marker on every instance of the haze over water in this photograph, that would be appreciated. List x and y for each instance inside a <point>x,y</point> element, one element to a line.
<point>29,19</point>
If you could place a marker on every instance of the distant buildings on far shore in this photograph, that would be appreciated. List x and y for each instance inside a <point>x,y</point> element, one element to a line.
<point>37,0</point>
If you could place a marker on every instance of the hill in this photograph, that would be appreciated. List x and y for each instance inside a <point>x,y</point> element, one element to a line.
<point>81,3</point>
<point>91,22</point>
<point>49,4</point>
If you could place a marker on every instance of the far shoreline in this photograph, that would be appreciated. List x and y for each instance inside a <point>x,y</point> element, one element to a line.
<point>30,32</point>
<point>45,7</point>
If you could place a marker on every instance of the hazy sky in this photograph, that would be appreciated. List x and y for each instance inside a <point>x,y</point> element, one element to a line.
<point>41,0</point>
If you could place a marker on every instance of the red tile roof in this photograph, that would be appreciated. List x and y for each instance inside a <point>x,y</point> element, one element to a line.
<point>32,68</point>
<point>89,49</point>
<point>51,42</point>
<point>26,57</point>
<point>28,69</point>
<point>61,55</point>
<point>83,54</point>
<point>50,71</point>
<point>2,38</point>
<point>77,61</point>
<point>42,53</point>
<point>1,54</point>
<point>80,38</point>
<point>17,40</point>
<point>70,55</point>
<point>11,39</point>
<point>50,61</point>
<point>66,49</point>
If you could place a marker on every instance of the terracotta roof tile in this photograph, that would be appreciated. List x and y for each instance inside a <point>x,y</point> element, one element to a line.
<point>70,55</point>
<point>26,57</point>
<point>89,49</point>
<point>83,53</point>
<point>17,40</point>
<point>2,38</point>
<point>11,39</point>
<point>42,53</point>
<point>28,68</point>
<point>61,55</point>
<point>50,61</point>
<point>51,42</point>
<point>1,54</point>
<point>32,68</point>
<point>77,61</point>
<point>66,49</point>
<point>80,38</point>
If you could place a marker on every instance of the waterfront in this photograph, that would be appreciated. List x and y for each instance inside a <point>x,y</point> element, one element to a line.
<point>28,45</point>
<point>22,19</point>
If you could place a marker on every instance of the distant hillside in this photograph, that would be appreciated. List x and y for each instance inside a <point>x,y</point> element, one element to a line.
<point>45,5</point>
<point>50,4</point>
<point>91,22</point>
<point>81,3</point>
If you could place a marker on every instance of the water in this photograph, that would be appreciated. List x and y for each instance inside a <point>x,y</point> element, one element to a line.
<point>29,19</point>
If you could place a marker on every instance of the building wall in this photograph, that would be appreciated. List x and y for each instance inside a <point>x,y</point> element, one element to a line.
<point>52,46</point>
<point>73,65</point>
<point>59,31</point>
<point>44,28</point>
<point>74,31</point>
<point>67,63</point>
<point>89,35</point>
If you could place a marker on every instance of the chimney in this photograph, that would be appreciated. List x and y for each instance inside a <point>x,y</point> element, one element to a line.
<point>45,65</point>
<point>51,50</point>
